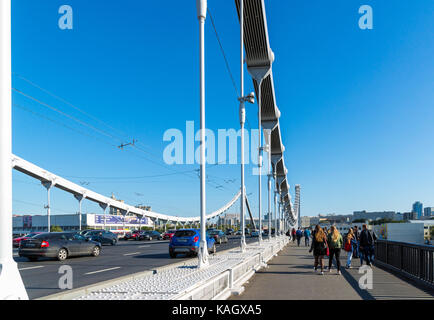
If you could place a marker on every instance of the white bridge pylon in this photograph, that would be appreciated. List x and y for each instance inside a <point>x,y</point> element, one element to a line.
<point>43,175</point>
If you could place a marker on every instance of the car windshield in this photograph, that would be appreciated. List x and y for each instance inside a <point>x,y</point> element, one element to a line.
<point>184,233</point>
<point>31,235</point>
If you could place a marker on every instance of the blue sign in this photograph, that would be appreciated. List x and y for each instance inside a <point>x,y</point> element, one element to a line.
<point>111,219</point>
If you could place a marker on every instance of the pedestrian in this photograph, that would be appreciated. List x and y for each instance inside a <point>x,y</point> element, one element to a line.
<point>335,243</point>
<point>293,234</point>
<point>306,237</point>
<point>298,234</point>
<point>319,247</point>
<point>356,252</point>
<point>350,242</point>
<point>367,241</point>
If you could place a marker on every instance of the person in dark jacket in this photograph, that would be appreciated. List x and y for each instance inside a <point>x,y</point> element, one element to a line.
<point>319,247</point>
<point>335,243</point>
<point>367,241</point>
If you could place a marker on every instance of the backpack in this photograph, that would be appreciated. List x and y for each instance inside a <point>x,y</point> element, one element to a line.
<point>371,237</point>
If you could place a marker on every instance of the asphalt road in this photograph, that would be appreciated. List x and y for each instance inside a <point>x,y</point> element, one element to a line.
<point>41,277</point>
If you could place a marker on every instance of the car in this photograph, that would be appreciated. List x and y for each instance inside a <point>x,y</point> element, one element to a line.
<point>238,233</point>
<point>59,245</point>
<point>187,241</point>
<point>168,234</point>
<point>255,233</point>
<point>150,235</point>
<point>218,235</point>
<point>230,231</point>
<point>16,241</point>
<point>102,236</point>
<point>132,235</point>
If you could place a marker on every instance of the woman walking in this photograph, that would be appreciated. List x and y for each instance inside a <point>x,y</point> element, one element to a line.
<point>350,242</point>
<point>319,247</point>
<point>335,243</point>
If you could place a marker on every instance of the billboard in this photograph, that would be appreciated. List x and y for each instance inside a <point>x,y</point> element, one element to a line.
<point>119,220</point>
<point>27,222</point>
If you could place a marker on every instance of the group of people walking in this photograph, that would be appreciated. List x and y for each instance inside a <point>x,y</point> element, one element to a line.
<point>357,244</point>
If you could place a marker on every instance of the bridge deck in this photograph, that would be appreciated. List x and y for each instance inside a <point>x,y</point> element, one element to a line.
<point>290,276</point>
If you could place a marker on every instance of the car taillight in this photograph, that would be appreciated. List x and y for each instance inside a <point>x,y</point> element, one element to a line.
<point>45,244</point>
<point>196,239</point>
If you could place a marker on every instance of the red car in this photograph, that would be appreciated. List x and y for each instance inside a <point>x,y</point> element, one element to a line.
<point>169,234</point>
<point>16,242</point>
<point>132,235</point>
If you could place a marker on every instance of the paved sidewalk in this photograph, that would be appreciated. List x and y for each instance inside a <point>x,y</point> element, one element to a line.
<point>290,276</point>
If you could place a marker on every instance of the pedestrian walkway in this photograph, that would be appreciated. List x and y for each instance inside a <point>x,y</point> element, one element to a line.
<point>290,276</point>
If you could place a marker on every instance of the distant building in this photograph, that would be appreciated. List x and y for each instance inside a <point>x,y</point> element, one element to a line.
<point>418,208</point>
<point>410,216</point>
<point>428,212</point>
<point>115,211</point>
<point>305,221</point>
<point>230,219</point>
<point>373,215</point>
<point>334,218</point>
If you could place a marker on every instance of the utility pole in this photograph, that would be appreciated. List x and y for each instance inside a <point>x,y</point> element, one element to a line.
<point>203,250</point>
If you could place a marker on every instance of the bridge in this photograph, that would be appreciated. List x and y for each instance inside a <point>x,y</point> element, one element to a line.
<point>225,273</point>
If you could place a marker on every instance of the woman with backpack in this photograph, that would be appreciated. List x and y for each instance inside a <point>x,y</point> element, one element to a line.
<point>350,242</point>
<point>335,243</point>
<point>319,247</point>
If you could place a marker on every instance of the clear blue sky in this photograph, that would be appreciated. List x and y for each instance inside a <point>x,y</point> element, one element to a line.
<point>357,105</point>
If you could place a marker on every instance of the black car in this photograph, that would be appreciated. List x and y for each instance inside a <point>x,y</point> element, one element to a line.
<point>150,235</point>
<point>102,236</point>
<point>60,245</point>
<point>230,231</point>
<point>218,235</point>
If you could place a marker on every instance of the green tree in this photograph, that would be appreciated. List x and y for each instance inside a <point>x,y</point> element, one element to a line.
<point>56,229</point>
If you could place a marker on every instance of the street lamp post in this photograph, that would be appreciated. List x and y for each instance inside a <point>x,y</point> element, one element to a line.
<point>11,284</point>
<point>203,250</point>
<point>48,185</point>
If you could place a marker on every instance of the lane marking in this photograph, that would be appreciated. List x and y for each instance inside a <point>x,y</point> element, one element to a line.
<point>144,246</point>
<point>103,270</point>
<point>130,254</point>
<point>28,268</point>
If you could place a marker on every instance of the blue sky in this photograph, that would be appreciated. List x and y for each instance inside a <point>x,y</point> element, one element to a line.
<point>357,105</point>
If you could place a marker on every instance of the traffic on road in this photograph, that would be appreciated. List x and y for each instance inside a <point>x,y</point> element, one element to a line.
<point>95,257</point>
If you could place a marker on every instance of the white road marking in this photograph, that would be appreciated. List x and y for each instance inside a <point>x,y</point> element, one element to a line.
<point>103,270</point>
<point>144,246</point>
<point>132,253</point>
<point>28,268</point>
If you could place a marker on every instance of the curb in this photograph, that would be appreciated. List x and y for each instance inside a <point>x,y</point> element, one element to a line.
<point>74,293</point>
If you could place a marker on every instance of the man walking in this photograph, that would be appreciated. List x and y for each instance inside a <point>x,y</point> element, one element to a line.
<point>367,240</point>
<point>299,234</point>
<point>306,237</point>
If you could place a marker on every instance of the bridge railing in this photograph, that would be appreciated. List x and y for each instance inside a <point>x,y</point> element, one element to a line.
<point>415,261</point>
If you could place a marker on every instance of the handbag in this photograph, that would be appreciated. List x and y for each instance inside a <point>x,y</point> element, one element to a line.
<point>347,246</point>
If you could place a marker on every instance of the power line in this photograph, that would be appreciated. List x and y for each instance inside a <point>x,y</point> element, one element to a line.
<point>223,53</point>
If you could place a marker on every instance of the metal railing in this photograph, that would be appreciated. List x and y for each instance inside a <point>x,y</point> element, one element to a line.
<point>410,259</point>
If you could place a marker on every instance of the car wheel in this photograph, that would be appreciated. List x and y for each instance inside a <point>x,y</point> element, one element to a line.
<point>96,251</point>
<point>62,254</point>
<point>114,242</point>
<point>172,254</point>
